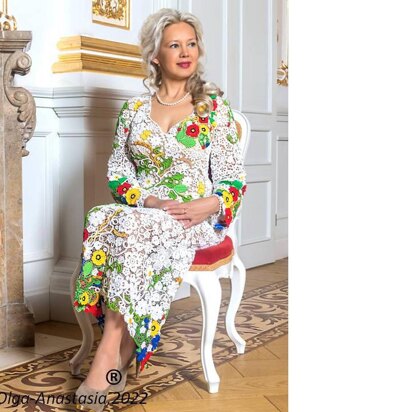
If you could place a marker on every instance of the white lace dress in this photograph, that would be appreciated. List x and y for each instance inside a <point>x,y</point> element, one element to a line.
<point>134,257</point>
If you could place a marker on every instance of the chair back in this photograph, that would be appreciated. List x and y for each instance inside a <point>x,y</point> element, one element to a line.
<point>243,130</point>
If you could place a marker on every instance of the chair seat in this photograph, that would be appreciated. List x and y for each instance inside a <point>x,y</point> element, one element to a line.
<point>211,258</point>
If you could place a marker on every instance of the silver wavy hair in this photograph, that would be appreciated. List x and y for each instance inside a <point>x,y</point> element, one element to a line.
<point>151,35</point>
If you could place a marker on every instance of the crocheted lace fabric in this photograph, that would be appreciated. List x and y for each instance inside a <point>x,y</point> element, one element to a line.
<point>134,257</point>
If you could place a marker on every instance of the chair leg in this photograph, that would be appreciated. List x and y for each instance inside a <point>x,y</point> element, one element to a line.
<point>237,280</point>
<point>86,328</point>
<point>210,293</point>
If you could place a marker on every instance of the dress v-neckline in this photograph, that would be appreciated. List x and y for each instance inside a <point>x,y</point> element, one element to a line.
<point>149,111</point>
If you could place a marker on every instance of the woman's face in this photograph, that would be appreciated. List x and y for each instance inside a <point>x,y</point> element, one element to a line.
<point>178,53</point>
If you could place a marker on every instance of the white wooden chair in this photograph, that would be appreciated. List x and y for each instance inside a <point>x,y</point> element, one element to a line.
<point>204,277</point>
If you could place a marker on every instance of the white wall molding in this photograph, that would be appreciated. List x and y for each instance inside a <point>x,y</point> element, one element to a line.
<point>259,154</point>
<point>71,112</point>
<point>87,134</point>
<point>282,117</point>
<point>159,4</point>
<point>45,206</point>
<point>185,5</point>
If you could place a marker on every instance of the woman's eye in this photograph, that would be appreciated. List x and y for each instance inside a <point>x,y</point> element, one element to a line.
<point>193,44</point>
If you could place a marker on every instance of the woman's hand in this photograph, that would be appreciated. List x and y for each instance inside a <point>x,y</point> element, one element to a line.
<point>193,212</point>
<point>156,203</point>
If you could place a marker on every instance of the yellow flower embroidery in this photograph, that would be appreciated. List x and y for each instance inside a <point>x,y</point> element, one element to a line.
<point>154,328</point>
<point>149,271</point>
<point>137,105</point>
<point>145,134</point>
<point>94,299</point>
<point>204,129</point>
<point>99,257</point>
<point>201,188</point>
<point>132,196</point>
<point>227,198</point>
<point>84,298</point>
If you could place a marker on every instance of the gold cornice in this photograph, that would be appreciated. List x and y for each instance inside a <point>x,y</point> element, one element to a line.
<point>98,45</point>
<point>75,56</point>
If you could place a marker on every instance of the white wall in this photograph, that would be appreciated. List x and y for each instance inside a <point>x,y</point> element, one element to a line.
<point>64,175</point>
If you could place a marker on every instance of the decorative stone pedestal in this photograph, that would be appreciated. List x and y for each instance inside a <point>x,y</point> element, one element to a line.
<point>17,122</point>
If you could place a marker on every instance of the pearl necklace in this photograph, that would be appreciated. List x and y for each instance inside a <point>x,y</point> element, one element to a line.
<point>173,103</point>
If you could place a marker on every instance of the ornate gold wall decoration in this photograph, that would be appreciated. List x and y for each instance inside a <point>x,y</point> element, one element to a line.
<point>112,13</point>
<point>283,74</point>
<point>82,53</point>
<point>7,22</point>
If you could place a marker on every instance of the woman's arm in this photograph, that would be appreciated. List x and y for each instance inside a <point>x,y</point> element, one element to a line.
<point>121,173</point>
<point>228,173</point>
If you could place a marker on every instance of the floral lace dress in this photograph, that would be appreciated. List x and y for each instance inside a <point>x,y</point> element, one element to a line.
<point>134,257</point>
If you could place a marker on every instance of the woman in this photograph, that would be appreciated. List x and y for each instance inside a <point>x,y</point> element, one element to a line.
<point>177,177</point>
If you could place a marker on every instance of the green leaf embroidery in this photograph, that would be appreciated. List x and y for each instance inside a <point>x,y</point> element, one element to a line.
<point>166,164</point>
<point>172,195</point>
<point>180,188</point>
<point>232,139</point>
<point>187,198</point>
<point>87,268</point>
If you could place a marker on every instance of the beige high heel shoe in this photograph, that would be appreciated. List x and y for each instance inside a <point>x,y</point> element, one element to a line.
<point>100,398</point>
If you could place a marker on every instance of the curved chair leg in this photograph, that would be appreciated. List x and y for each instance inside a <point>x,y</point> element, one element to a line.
<point>237,279</point>
<point>210,293</point>
<point>86,327</point>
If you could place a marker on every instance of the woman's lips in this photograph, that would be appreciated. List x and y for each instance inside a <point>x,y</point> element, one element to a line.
<point>184,65</point>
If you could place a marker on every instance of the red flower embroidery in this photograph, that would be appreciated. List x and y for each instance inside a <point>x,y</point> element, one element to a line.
<point>234,192</point>
<point>126,130</point>
<point>243,189</point>
<point>214,104</point>
<point>94,310</point>
<point>203,119</point>
<point>228,216</point>
<point>192,130</point>
<point>122,189</point>
<point>85,234</point>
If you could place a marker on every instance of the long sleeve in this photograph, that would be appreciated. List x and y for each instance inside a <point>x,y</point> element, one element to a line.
<point>121,174</point>
<point>227,170</point>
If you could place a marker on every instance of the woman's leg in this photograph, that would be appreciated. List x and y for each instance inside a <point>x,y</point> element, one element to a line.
<point>107,353</point>
<point>127,346</point>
